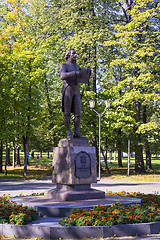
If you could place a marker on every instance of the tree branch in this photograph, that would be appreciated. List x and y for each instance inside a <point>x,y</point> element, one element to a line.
<point>124,11</point>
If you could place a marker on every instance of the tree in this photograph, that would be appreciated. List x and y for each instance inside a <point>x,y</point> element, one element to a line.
<point>25,54</point>
<point>137,42</point>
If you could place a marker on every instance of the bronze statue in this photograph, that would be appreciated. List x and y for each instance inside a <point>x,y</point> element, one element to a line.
<point>72,75</point>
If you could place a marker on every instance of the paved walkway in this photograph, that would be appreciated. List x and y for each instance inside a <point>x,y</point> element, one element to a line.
<point>116,186</point>
<point>152,237</point>
<point>16,188</point>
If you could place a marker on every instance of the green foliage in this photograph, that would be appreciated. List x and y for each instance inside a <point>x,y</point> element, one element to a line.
<point>117,41</point>
<point>134,70</point>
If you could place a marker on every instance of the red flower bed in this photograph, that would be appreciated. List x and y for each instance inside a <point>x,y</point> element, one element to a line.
<point>12,213</point>
<point>148,211</point>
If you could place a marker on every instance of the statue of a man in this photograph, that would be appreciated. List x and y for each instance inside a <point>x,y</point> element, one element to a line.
<point>71,100</point>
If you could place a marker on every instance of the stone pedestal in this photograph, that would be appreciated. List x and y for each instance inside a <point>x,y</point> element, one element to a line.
<point>74,169</point>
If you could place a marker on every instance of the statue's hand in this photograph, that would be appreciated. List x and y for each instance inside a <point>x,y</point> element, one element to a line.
<point>79,73</point>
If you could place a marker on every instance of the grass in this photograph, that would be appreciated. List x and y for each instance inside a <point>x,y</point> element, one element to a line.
<point>120,173</point>
<point>37,158</point>
<point>37,171</point>
<point>39,168</point>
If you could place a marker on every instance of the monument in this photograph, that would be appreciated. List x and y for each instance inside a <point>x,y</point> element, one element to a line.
<point>74,161</point>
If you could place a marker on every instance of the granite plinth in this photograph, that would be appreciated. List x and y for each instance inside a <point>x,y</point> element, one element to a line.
<point>74,169</point>
<point>74,163</point>
<point>49,207</point>
<point>76,142</point>
<point>73,195</point>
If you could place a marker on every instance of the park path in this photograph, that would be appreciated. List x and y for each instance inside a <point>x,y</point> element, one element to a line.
<point>28,187</point>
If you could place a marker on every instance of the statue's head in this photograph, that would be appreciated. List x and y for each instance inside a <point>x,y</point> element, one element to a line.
<point>71,53</point>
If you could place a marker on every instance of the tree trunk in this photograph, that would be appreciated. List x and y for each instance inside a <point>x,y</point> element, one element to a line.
<point>8,160</point>
<point>95,70</point>
<point>105,159</point>
<point>139,163</point>
<point>1,156</point>
<point>25,146</point>
<point>146,144</point>
<point>119,149</point>
<point>115,153</point>
<point>18,163</point>
<point>120,159</point>
<point>148,156</point>
<point>129,152</point>
<point>14,155</point>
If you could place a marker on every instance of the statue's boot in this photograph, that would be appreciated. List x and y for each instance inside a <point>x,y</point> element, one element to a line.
<point>67,125</point>
<point>77,134</point>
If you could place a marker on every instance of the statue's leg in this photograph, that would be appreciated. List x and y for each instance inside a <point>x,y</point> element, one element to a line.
<point>67,111</point>
<point>67,125</point>
<point>77,121</point>
<point>77,114</point>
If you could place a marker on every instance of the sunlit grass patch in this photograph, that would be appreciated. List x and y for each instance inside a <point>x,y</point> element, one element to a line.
<point>33,172</point>
<point>120,173</point>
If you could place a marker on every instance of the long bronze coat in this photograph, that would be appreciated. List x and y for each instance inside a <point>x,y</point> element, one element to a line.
<point>68,75</point>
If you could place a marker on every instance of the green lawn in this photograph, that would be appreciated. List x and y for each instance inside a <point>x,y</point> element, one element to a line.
<point>41,167</point>
<point>37,168</point>
<point>37,158</point>
<point>118,173</point>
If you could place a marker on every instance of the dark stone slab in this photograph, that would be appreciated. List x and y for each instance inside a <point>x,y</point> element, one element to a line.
<point>74,165</point>
<point>75,142</point>
<point>32,230</point>
<point>53,212</point>
<point>49,207</point>
<point>131,230</point>
<point>74,187</point>
<point>76,232</point>
<point>108,231</point>
<point>154,227</point>
<point>73,195</point>
<point>74,169</point>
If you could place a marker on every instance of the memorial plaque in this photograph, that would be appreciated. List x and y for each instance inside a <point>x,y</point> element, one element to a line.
<point>82,165</point>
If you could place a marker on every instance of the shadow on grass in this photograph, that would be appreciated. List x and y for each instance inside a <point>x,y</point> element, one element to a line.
<point>33,172</point>
<point>119,173</point>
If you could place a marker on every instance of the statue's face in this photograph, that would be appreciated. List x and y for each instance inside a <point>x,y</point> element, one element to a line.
<point>73,55</point>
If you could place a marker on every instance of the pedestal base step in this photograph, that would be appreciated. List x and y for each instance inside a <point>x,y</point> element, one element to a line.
<point>73,195</point>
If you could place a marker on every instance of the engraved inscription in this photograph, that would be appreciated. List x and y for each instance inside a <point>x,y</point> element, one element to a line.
<point>83,159</point>
<point>82,165</point>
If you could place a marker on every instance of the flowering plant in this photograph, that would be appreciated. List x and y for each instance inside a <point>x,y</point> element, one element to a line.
<point>148,211</point>
<point>12,213</point>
